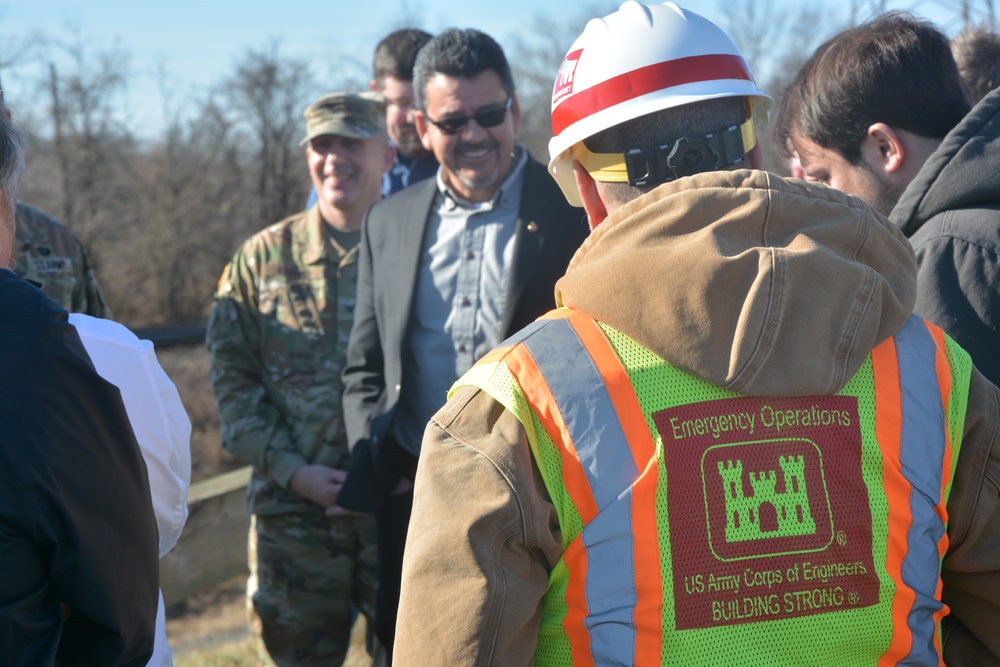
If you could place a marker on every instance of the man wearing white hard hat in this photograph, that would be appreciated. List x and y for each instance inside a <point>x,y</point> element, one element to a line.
<point>732,443</point>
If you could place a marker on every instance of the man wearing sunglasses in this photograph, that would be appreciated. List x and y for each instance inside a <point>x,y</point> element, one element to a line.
<point>448,268</point>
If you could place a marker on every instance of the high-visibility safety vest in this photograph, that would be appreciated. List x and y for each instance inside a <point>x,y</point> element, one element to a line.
<point>702,527</point>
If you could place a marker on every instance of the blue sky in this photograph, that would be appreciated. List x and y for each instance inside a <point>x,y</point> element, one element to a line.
<point>177,50</point>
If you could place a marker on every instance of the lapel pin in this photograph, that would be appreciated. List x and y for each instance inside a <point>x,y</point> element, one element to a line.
<point>532,227</point>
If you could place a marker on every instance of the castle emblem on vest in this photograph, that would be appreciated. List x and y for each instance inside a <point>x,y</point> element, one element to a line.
<point>769,512</point>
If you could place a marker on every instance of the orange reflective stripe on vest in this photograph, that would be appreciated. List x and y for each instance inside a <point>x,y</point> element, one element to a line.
<point>618,604</point>
<point>914,441</point>
<point>606,445</point>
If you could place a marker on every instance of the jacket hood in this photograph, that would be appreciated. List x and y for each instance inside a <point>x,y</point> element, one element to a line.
<point>758,284</point>
<point>954,175</point>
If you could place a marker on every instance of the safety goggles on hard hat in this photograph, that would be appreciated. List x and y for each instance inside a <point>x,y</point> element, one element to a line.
<point>485,119</point>
<point>661,164</point>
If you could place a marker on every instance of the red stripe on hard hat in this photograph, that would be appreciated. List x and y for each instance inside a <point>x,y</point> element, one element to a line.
<point>645,80</point>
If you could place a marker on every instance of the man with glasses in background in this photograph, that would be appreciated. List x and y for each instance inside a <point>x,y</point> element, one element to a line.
<point>448,268</point>
<point>392,77</point>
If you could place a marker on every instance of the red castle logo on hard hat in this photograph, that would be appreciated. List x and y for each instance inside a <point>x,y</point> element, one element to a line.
<point>564,78</point>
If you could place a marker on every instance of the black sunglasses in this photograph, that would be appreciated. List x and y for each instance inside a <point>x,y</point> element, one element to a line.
<point>488,118</point>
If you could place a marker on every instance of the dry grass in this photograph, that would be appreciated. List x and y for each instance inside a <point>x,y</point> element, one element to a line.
<point>243,653</point>
<point>188,367</point>
<point>210,630</point>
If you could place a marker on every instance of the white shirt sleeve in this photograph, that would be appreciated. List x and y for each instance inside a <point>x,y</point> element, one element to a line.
<point>154,408</point>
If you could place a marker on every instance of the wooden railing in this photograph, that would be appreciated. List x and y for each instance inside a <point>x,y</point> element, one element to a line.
<point>213,546</point>
<point>172,335</point>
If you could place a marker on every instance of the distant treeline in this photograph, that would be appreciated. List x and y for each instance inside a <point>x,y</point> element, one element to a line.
<point>162,216</point>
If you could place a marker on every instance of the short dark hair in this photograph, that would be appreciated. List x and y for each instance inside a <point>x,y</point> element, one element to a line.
<point>977,54</point>
<point>895,69</point>
<point>11,158</point>
<point>659,128</point>
<point>459,53</point>
<point>396,53</point>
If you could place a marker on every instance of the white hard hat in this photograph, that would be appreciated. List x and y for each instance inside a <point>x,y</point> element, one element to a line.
<point>638,60</point>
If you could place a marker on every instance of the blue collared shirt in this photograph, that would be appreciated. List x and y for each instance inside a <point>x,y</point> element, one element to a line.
<point>407,171</point>
<point>460,297</point>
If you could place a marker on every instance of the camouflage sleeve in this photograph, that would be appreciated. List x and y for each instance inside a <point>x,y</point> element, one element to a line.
<point>253,429</point>
<point>50,254</point>
<point>88,298</point>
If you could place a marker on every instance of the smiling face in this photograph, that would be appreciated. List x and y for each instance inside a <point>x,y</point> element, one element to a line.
<point>347,174</point>
<point>476,160</point>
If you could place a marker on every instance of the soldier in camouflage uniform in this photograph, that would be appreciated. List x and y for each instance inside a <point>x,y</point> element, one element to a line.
<point>278,337</point>
<point>49,254</point>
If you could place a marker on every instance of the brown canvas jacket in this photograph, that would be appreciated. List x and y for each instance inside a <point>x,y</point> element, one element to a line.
<point>757,284</point>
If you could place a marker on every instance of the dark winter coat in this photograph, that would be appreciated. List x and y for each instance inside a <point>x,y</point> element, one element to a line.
<point>951,214</point>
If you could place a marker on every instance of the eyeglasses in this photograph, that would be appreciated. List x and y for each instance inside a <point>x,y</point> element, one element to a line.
<point>488,118</point>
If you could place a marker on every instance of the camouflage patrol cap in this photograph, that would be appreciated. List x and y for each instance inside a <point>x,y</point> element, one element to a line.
<point>356,115</point>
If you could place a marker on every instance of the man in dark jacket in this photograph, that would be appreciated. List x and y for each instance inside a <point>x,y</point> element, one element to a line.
<point>78,542</point>
<point>879,112</point>
<point>447,269</point>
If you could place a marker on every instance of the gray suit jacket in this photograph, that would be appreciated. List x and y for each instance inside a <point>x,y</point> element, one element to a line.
<point>549,231</point>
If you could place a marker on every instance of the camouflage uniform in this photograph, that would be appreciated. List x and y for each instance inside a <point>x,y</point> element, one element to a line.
<point>49,254</point>
<point>278,337</point>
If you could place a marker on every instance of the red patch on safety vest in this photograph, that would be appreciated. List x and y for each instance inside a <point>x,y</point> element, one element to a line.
<point>769,514</point>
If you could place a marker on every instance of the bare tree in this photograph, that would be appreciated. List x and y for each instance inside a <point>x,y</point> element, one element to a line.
<point>162,215</point>
<point>225,172</point>
<point>756,27</point>
<point>535,57</point>
<point>975,15</point>
<point>264,98</point>
<point>14,51</point>
<point>91,154</point>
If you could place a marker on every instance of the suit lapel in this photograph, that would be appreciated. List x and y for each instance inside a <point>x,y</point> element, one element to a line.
<point>412,228</point>
<point>534,223</point>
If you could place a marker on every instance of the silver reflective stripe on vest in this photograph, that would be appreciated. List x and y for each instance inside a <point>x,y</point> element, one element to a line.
<point>592,422</point>
<point>526,332</point>
<point>922,452</point>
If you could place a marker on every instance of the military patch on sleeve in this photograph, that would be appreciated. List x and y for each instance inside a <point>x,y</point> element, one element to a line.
<point>49,265</point>
<point>222,287</point>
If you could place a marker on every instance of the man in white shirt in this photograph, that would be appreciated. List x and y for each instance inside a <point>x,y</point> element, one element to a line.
<point>161,427</point>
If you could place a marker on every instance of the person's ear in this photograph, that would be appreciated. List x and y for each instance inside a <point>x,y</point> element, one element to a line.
<point>373,86</point>
<point>420,122</point>
<point>591,197</point>
<point>883,149</point>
